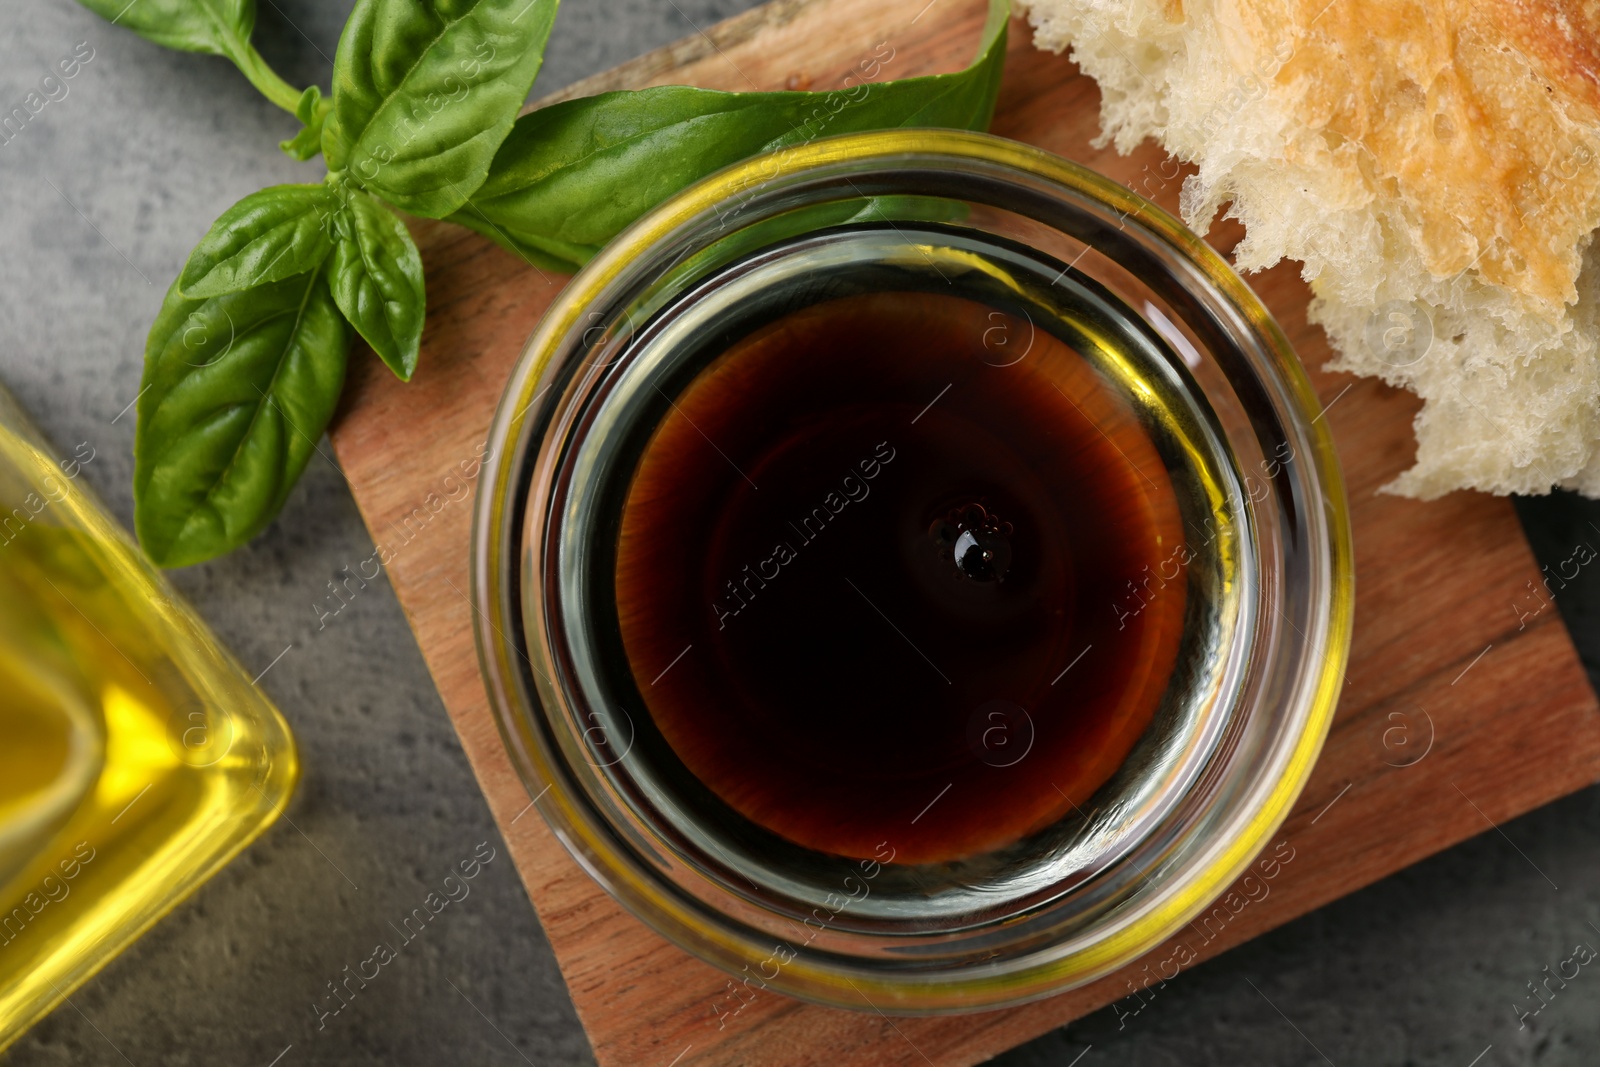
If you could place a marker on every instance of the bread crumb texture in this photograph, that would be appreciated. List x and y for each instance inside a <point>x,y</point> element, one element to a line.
<point>1434,164</point>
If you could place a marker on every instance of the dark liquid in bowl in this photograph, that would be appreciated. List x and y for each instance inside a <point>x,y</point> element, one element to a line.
<point>901,572</point>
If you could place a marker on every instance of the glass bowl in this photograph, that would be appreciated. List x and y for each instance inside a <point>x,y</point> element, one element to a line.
<point>1269,587</point>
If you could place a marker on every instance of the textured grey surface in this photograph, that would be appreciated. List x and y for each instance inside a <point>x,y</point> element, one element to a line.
<point>100,201</point>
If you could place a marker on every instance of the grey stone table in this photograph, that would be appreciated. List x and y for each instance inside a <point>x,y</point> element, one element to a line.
<point>100,200</point>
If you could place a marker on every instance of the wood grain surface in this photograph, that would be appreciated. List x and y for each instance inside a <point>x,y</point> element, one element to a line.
<point>1461,708</point>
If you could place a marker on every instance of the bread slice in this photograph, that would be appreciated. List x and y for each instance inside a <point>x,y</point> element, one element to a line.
<point>1435,167</point>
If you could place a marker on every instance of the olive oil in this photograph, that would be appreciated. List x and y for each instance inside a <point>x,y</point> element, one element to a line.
<point>136,756</point>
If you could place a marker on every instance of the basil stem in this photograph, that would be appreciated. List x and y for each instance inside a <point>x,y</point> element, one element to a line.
<point>265,79</point>
<point>212,27</point>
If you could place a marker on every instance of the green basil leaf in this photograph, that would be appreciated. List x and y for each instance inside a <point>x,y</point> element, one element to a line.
<point>571,175</point>
<point>237,390</point>
<point>376,277</point>
<point>541,252</point>
<point>305,144</point>
<point>277,233</point>
<point>424,91</point>
<point>217,27</point>
<point>312,111</point>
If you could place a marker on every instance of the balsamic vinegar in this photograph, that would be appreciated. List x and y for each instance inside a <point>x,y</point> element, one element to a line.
<point>883,576</point>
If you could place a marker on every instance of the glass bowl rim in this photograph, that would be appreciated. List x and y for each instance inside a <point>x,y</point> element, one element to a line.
<point>604,859</point>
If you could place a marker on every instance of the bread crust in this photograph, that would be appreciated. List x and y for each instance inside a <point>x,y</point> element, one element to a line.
<point>1563,36</point>
<point>1442,155</point>
<point>1469,116</point>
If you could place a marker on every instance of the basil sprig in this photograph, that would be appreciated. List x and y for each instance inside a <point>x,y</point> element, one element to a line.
<point>247,356</point>
<point>423,94</point>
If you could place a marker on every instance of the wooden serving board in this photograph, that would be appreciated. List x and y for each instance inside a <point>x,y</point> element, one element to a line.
<point>1461,706</point>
